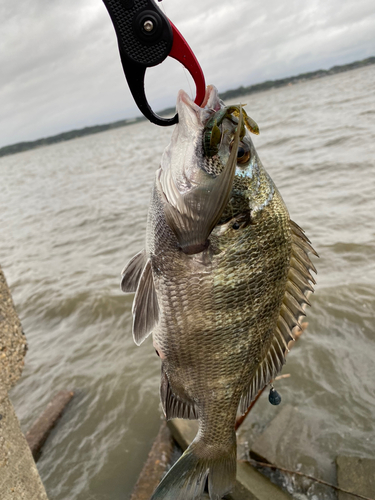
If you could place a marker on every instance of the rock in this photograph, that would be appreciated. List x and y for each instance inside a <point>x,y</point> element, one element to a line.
<point>356,475</point>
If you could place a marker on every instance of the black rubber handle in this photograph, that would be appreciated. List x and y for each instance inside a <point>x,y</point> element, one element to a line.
<point>145,39</point>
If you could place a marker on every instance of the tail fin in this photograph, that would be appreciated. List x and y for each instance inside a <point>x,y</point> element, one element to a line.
<point>187,478</point>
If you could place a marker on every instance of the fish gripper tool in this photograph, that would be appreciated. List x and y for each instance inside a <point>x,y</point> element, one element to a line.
<point>146,37</point>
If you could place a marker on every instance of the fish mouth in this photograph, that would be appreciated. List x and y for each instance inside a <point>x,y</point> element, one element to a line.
<point>187,109</point>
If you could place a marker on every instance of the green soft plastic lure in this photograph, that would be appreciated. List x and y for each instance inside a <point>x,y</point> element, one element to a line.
<point>212,132</point>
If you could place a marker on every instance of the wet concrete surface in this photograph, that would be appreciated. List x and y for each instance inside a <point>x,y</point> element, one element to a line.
<point>356,475</point>
<point>19,477</point>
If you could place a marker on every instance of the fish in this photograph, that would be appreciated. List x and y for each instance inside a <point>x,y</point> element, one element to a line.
<point>223,280</point>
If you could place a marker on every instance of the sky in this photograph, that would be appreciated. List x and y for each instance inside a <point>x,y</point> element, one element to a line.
<point>60,67</point>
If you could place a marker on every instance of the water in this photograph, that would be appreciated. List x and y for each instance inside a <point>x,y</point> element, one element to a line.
<point>72,214</point>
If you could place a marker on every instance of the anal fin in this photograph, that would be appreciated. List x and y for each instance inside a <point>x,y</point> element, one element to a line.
<point>173,406</point>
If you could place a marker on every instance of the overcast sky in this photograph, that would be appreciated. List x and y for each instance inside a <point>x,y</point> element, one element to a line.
<point>60,67</point>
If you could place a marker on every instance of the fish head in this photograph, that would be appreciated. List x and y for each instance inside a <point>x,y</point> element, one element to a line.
<point>210,148</point>
<point>183,162</point>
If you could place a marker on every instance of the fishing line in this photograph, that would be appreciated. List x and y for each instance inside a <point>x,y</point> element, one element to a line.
<point>188,82</point>
<point>185,72</point>
<point>162,7</point>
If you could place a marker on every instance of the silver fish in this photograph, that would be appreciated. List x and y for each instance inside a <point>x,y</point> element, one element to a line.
<point>221,284</point>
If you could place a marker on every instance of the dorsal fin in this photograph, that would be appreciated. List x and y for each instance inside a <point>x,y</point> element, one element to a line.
<point>173,406</point>
<point>145,306</point>
<point>131,273</point>
<point>298,287</point>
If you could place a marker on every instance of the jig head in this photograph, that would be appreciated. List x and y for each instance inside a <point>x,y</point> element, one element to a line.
<point>145,38</point>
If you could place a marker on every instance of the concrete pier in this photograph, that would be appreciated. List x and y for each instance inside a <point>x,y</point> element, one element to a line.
<point>19,477</point>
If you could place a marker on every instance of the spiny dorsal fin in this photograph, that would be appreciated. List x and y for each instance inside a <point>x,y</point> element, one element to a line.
<point>145,306</point>
<point>298,286</point>
<point>132,272</point>
<point>174,407</point>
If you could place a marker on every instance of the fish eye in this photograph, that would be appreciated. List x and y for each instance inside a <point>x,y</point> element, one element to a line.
<point>240,152</point>
<point>243,153</point>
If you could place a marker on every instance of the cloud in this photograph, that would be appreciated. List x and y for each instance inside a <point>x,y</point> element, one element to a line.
<point>61,68</point>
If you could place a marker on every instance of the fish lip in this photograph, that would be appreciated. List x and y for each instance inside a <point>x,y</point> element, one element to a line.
<point>210,104</point>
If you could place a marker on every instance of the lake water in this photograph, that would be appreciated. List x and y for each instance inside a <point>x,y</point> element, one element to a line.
<point>72,214</point>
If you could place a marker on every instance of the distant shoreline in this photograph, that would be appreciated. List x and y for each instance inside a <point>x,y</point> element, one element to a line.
<point>229,94</point>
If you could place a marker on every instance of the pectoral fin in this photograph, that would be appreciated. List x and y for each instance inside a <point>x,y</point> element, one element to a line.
<point>145,306</point>
<point>193,215</point>
<point>131,273</point>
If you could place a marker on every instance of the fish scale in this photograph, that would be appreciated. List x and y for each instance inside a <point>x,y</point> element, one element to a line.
<point>221,310</point>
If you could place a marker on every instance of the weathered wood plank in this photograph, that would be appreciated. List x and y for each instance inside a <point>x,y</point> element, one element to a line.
<point>38,433</point>
<point>156,465</point>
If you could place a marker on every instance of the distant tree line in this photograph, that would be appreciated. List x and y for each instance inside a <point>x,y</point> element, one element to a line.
<point>66,136</point>
<point>229,94</point>
<point>271,84</point>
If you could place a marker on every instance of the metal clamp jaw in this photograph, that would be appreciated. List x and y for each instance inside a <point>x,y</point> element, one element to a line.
<point>146,37</point>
